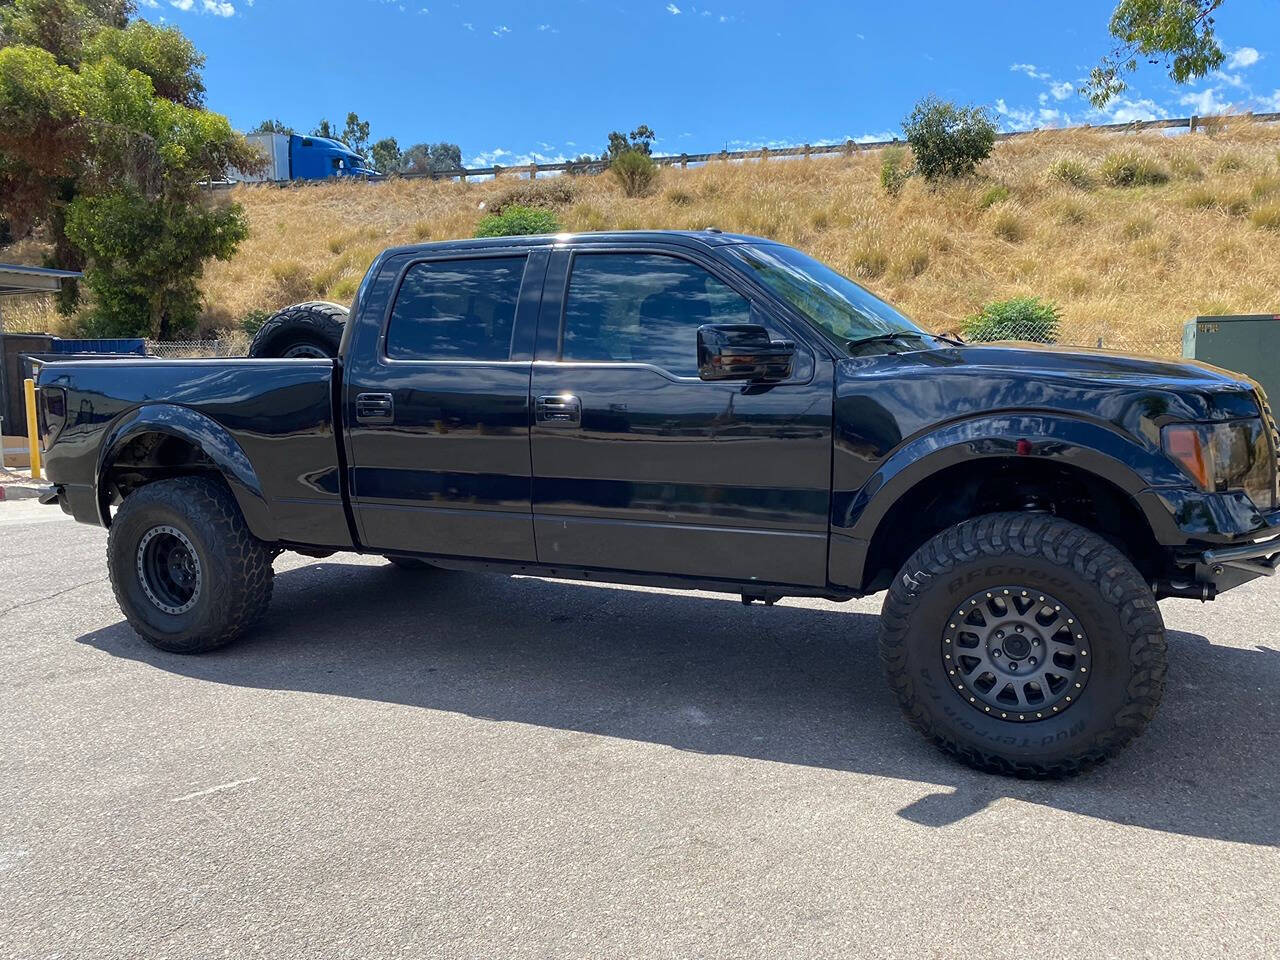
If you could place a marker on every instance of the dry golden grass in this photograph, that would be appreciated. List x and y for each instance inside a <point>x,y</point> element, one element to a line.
<point>1128,265</point>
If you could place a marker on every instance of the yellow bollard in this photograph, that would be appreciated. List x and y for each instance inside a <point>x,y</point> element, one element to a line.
<point>33,433</point>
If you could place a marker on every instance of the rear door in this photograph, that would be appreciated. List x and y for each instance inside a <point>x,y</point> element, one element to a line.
<point>640,465</point>
<point>437,406</point>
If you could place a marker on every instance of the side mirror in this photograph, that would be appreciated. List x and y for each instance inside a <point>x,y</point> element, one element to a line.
<point>742,351</point>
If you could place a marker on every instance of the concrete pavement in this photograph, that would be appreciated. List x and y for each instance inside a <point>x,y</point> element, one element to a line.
<point>465,765</point>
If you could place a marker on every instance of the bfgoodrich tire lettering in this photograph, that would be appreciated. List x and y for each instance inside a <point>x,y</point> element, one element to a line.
<point>1116,610</point>
<point>235,574</point>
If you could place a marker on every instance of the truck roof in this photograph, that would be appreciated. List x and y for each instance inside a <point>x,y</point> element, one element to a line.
<point>707,238</point>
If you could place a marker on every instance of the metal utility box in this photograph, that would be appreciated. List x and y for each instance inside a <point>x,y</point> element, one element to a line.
<point>1248,345</point>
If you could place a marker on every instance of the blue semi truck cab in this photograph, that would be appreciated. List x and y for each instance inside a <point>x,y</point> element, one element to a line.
<point>294,157</point>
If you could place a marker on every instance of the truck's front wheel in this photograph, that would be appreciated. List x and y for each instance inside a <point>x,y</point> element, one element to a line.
<point>1024,645</point>
<point>186,571</point>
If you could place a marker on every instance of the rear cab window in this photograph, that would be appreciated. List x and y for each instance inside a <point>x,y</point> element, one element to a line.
<point>456,310</point>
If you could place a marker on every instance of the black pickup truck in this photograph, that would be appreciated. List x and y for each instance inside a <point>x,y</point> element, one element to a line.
<point>704,411</point>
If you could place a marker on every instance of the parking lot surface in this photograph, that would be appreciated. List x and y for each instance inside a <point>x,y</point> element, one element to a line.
<point>466,765</point>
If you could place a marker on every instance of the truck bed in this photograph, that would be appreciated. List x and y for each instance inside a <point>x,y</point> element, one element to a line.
<point>271,420</point>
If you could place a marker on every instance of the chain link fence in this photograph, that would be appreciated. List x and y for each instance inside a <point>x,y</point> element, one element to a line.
<point>231,345</point>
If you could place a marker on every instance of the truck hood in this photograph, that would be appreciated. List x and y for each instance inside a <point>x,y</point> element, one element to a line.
<point>1103,368</point>
<point>907,393</point>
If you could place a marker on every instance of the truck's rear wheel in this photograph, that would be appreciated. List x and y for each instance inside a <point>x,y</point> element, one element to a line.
<point>312,329</point>
<point>186,571</point>
<point>1024,645</point>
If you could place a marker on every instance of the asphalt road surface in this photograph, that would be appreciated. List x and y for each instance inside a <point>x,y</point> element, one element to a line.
<point>465,765</point>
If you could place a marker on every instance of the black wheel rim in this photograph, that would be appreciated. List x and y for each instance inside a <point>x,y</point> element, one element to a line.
<point>169,569</point>
<point>1016,653</point>
<point>307,350</point>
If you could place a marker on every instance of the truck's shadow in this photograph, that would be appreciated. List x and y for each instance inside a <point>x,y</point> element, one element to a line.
<point>787,684</point>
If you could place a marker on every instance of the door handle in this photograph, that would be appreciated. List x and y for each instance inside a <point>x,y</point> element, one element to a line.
<point>375,408</point>
<point>561,410</point>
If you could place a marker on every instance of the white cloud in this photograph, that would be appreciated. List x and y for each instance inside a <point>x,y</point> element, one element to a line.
<point>673,9</point>
<point>150,3</point>
<point>1061,91</point>
<point>182,4</point>
<point>1123,110</point>
<point>219,8</point>
<point>1205,102</point>
<point>1030,70</point>
<point>501,29</point>
<point>1242,58</point>
<point>1272,103</point>
<point>1018,118</point>
<point>469,26</point>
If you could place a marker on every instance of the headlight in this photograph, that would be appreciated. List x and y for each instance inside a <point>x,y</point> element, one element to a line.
<point>1225,456</point>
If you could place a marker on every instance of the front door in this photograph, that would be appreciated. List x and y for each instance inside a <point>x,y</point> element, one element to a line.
<point>437,410</point>
<point>638,464</point>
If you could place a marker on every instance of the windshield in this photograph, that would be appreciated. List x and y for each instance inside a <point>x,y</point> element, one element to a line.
<point>846,311</point>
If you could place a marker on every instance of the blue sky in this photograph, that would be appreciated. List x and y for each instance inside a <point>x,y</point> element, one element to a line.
<point>514,81</point>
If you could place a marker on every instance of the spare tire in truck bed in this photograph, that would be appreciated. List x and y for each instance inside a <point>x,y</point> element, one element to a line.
<point>312,329</point>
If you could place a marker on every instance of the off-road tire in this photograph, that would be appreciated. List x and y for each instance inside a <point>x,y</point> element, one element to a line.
<point>412,563</point>
<point>1115,607</point>
<point>235,566</point>
<point>313,325</point>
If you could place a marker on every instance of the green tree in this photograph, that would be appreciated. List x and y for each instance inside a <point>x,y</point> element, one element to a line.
<point>145,257</point>
<point>162,53</point>
<point>109,169</point>
<point>431,158</point>
<point>385,155</point>
<point>1178,34</point>
<point>356,134</point>
<point>325,129</point>
<point>59,26</point>
<point>274,126</point>
<point>640,140</point>
<point>946,140</point>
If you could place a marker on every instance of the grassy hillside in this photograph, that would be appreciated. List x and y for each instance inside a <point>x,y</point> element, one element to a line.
<point>1127,264</point>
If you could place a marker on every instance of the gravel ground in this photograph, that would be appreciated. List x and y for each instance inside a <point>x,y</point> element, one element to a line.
<point>463,765</point>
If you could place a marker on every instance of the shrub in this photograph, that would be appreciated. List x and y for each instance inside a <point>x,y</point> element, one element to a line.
<point>518,222</point>
<point>1007,224</point>
<point>870,262</point>
<point>993,195</point>
<point>1069,212</point>
<point>1136,227</point>
<point>1266,218</point>
<point>1071,170</point>
<point>1128,168</point>
<point>1265,187</point>
<point>635,170</point>
<point>1236,203</point>
<point>292,282</point>
<point>893,172</point>
<point>1200,198</point>
<point>679,197</point>
<point>252,321</point>
<point>1022,318</point>
<point>1185,166</point>
<point>1229,163</point>
<point>545,194</point>
<point>946,140</point>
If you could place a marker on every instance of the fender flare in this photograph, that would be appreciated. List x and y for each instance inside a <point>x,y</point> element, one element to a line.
<point>1092,447</point>
<point>203,433</point>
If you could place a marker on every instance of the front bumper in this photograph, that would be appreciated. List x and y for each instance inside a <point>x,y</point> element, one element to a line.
<point>1217,569</point>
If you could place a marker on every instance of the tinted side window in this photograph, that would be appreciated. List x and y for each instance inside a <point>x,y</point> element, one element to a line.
<point>456,310</point>
<point>644,308</point>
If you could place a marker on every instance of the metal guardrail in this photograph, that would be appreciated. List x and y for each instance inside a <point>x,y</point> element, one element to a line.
<point>848,148</point>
